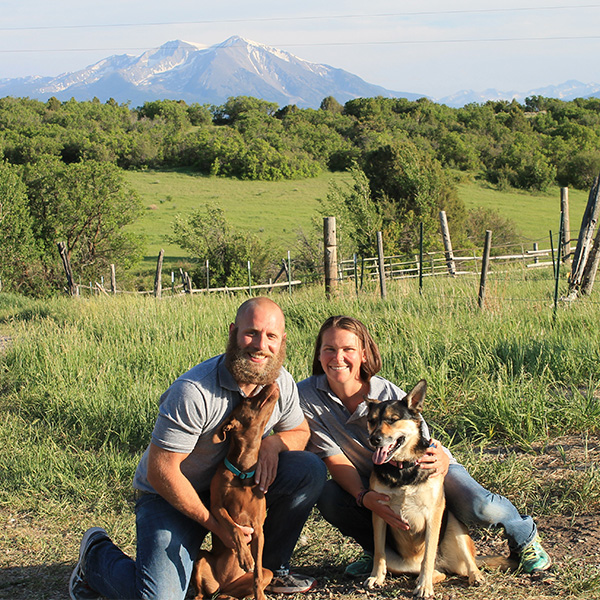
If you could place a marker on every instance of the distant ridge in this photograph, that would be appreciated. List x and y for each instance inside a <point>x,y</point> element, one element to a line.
<point>186,71</point>
<point>569,90</point>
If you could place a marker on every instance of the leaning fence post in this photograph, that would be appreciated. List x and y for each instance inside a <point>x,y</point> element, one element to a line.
<point>330,249</point>
<point>62,249</point>
<point>158,277</point>
<point>289,273</point>
<point>381,264</point>
<point>447,243</point>
<point>485,261</point>
<point>586,234</point>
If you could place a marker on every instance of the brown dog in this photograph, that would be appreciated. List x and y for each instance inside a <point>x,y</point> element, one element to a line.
<point>236,500</point>
<point>436,541</point>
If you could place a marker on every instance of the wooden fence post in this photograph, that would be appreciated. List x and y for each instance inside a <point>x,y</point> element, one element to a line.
<point>330,248</point>
<point>447,243</point>
<point>72,288</point>
<point>183,280</point>
<point>584,242</point>
<point>484,267</point>
<point>113,279</point>
<point>565,242</point>
<point>158,277</point>
<point>381,264</point>
<point>591,267</point>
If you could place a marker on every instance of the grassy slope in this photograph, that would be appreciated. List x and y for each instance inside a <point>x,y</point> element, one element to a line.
<point>278,209</point>
<point>534,214</point>
<point>275,209</point>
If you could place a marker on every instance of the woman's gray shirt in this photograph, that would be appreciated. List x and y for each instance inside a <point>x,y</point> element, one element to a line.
<point>334,430</point>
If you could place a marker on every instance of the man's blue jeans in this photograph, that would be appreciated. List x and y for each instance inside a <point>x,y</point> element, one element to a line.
<point>168,542</point>
<point>470,502</point>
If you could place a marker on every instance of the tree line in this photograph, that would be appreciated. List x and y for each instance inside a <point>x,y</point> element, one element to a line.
<point>533,145</point>
<point>61,169</point>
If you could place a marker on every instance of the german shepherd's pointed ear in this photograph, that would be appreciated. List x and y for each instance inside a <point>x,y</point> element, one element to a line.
<point>416,396</point>
<point>221,433</point>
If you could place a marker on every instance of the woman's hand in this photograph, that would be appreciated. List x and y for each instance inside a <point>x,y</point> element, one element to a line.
<point>377,503</point>
<point>435,458</point>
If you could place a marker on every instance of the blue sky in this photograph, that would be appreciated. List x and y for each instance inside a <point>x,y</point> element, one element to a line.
<point>432,47</point>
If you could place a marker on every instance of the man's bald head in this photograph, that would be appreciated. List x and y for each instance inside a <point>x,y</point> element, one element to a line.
<point>260,303</point>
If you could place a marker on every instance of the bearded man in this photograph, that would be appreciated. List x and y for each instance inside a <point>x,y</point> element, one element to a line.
<point>173,477</point>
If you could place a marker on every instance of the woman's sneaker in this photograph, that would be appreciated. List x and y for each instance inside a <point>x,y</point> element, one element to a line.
<point>533,557</point>
<point>361,568</point>
<point>284,582</point>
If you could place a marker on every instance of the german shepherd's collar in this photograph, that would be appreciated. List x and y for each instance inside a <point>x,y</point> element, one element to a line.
<point>395,433</point>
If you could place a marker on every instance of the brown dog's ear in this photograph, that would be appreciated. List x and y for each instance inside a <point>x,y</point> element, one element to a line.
<point>416,396</point>
<point>221,433</point>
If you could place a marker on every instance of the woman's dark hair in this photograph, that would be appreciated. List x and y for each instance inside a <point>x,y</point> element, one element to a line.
<point>372,364</point>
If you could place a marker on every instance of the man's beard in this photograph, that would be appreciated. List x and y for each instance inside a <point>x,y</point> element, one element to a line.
<point>245,371</point>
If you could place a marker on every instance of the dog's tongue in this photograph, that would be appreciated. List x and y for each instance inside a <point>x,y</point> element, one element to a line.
<point>381,454</point>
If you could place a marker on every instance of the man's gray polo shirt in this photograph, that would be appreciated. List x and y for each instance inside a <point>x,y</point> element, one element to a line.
<point>193,408</point>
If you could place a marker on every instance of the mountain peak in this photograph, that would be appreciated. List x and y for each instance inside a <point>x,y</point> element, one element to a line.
<point>192,72</point>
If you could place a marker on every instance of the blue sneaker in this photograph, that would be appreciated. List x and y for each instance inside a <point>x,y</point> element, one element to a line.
<point>78,586</point>
<point>533,557</point>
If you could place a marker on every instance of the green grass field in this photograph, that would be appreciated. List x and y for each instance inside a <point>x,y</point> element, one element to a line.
<point>278,210</point>
<point>270,209</point>
<point>513,391</point>
<point>533,214</point>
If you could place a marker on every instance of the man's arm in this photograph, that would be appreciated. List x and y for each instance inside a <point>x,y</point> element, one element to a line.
<point>166,477</point>
<point>272,445</point>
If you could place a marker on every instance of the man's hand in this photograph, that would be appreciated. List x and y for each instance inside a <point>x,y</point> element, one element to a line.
<point>435,458</point>
<point>268,461</point>
<point>377,503</point>
<point>227,536</point>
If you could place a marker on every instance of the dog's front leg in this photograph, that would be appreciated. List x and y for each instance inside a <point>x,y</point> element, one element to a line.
<point>241,547</point>
<point>424,588</point>
<point>379,562</point>
<point>258,543</point>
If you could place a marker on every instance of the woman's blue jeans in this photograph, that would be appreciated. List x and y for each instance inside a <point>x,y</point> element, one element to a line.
<point>470,502</point>
<point>168,542</point>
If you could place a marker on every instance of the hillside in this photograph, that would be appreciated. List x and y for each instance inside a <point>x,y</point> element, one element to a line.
<point>279,209</point>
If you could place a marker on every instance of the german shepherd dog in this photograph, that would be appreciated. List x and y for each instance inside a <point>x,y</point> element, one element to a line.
<point>436,541</point>
<point>235,499</point>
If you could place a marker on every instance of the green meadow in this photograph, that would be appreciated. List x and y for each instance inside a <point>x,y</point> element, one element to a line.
<point>278,210</point>
<point>513,391</point>
<point>270,209</point>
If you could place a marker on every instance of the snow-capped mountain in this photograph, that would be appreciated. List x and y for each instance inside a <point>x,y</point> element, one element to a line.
<point>185,71</point>
<point>237,67</point>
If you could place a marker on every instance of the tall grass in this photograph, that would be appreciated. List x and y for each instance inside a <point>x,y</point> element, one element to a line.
<point>82,378</point>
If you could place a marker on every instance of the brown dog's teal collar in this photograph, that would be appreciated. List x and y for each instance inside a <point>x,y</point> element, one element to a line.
<point>241,474</point>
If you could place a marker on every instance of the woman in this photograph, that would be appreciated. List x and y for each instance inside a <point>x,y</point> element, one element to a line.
<point>345,366</point>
